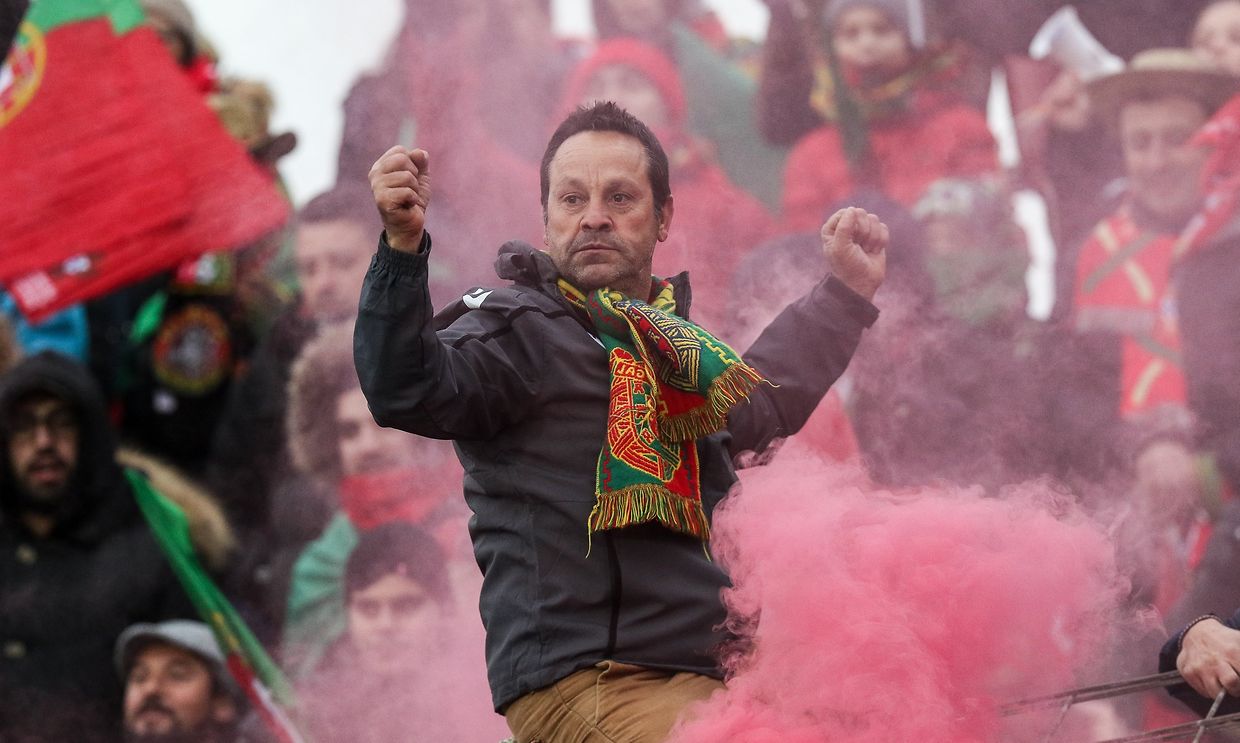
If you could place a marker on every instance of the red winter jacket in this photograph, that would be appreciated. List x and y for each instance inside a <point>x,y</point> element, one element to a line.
<point>938,137</point>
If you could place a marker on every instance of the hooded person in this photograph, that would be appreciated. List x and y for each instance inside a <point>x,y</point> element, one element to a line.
<point>364,476</point>
<point>720,223</point>
<point>891,121</point>
<point>78,563</point>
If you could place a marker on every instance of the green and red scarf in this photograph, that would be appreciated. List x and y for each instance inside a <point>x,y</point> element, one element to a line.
<point>671,384</point>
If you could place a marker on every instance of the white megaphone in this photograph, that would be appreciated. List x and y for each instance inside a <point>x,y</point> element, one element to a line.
<point>1064,39</point>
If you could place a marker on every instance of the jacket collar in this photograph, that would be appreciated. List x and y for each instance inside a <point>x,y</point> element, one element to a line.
<point>521,263</point>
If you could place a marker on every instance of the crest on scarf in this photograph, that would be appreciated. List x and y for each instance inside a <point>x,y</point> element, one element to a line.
<point>634,439</point>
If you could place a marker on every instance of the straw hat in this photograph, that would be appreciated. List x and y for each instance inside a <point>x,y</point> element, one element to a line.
<point>1163,72</point>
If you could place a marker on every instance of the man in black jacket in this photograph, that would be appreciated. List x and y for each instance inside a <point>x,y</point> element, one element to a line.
<point>77,561</point>
<point>574,398</point>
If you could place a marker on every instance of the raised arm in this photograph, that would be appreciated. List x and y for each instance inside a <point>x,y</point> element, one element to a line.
<point>467,380</point>
<point>808,345</point>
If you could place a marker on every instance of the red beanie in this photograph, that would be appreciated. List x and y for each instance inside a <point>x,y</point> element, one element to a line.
<point>646,59</point>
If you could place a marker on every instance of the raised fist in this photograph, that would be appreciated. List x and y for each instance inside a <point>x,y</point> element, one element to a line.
<point>401,183</point>
<point>855,243</point>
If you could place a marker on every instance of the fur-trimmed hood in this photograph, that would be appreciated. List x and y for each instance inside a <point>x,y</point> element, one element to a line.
<point>209,531</point>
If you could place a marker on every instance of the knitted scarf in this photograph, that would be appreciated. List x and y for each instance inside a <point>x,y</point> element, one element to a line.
<point>671,384</point>
<point>853,103</point>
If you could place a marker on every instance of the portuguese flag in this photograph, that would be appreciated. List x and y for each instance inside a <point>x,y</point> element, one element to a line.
<point>257,675</point>
<point>112,167</point>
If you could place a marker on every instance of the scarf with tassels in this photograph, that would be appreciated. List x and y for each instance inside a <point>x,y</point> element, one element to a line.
<point>671,384</point>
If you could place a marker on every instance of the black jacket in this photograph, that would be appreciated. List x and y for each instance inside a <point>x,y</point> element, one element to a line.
<point>65,598</point>
<point>515,376</point>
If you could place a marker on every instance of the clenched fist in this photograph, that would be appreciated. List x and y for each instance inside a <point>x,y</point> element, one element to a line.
<point>401,183</point>
<point>855,243</point>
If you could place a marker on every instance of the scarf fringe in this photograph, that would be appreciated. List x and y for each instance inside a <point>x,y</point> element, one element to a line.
<point>728,389</point>
<point>645,502</point>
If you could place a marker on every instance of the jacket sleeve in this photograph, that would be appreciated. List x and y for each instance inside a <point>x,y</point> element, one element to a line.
<point>1167,662</point>
<point>467,381</point>
<point>802,352</point>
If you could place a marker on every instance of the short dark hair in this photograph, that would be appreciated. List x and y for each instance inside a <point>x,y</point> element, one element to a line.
<point>343,203</point>
<point>397,547</point>
<point>606,116</point>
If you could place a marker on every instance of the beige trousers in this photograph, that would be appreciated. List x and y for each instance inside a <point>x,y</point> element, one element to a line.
<point>608,703</point>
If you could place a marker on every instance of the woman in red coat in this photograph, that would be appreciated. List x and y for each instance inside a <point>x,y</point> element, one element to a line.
<point>893,127</point>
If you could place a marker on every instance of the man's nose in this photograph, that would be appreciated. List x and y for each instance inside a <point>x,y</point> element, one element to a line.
<point>43,435</point>
<point>596,216</point>
<point>150,689</point>
<point>386,619</point>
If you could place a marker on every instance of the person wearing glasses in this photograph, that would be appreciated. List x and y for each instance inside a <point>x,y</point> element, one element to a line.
<point>77,562</point>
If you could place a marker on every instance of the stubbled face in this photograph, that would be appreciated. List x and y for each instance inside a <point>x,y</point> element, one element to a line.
<point>1163,169</point>
<point>632,90</point>
<point>44,435</point>
<point>601,227</point>
<point>392,624</point>
<point>332,258</point>
<point>866,40</point>
<point>365,446</point>
<point>168,695</point>
<point>1217,36</point>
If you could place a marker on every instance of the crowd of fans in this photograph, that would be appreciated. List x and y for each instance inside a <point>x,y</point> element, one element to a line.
<point>230,382</point>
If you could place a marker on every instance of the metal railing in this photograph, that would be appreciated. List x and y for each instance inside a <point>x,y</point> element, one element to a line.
<point>1185,731</point>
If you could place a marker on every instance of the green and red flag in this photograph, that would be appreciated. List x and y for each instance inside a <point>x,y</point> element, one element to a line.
<point>256,673</point>
<point>112,166</point>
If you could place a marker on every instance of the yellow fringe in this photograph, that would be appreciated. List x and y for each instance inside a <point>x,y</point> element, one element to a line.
<point>645,502</point>
<point>728,389</point>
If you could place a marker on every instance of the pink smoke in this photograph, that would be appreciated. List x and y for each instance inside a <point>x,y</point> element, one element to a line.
<point>870,616</point>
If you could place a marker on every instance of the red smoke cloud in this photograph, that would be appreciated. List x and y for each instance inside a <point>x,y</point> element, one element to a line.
<point>877,617</point>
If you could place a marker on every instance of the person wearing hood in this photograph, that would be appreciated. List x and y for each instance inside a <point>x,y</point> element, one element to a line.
<point>362,476</point>
<point>78,563</point>
<point>892,122</point>
<point>720,223</point>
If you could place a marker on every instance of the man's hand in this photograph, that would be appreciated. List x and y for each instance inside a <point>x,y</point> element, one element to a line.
<point>401,183</point>
<point>1209,656</point>
<point>855,243</point>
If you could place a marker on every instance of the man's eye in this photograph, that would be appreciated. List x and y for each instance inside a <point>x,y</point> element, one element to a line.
<point>406,606</point>
<point>620,198</point>
<point>572,199</point>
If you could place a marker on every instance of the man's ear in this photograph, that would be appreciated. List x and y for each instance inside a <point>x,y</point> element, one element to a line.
<point>665,222</point>
<point>223,709</point>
